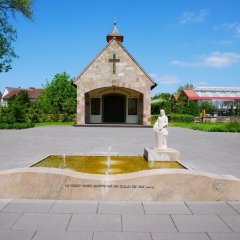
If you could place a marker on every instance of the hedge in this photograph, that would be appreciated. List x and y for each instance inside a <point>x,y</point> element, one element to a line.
<point>176,118</point>
<point>217,127</point>
<point>16,125</point>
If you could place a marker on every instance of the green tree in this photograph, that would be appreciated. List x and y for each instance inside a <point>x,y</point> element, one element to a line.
<point>162,96</point>
<point>162,103</point>
<point>191,109</point>
<point>59,97</point>
<point>186,86</point>
<point>7,33</point>
<point>179,105</point>
<point>156,107</point>
<point>17,109</point>
<point>205,105</point>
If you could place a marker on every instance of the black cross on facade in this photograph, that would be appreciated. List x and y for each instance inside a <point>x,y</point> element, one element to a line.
<point>114,60</point>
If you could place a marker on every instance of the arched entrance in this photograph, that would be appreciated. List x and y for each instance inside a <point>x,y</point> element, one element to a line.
<point>114,108</point>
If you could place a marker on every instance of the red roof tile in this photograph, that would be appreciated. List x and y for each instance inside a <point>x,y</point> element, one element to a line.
<point>33,93</point>
<point>191,94</point>
<point>175,96</point>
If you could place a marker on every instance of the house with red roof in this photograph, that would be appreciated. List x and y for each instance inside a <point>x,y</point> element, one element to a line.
<point>9,92</point>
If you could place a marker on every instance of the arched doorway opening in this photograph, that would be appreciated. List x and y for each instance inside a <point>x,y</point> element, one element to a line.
<point>114,108</point>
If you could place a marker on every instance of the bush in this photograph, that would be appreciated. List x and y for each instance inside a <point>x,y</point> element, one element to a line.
<point>180,118</point>
<point>233,127</point>
<point>154,117</point>
<point>206,106</point>
<point>175,118</point>
<point>156,107</point>
<point>206,127</point>
<point>16,125</point>
<point>213,127</point>
<point>191,109</point>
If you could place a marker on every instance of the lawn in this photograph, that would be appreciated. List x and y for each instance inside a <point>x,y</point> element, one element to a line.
<point>209,127</point>
<point>43,124</point>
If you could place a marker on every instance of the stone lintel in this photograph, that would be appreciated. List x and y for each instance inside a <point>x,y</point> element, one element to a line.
<point>154,154</point>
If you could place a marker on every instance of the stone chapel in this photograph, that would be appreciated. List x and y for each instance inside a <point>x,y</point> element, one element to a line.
<point>114,88</point>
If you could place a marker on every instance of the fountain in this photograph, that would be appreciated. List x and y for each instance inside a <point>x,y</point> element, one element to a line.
<point>156,176</point>
<point>64,161</point>
<point>108,162</point>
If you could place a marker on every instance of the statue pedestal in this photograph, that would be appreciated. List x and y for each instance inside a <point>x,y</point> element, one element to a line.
<point>168,154</point>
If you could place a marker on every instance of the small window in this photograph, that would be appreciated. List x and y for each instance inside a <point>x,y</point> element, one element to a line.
<point>132,106</point>
<point>95,106</point>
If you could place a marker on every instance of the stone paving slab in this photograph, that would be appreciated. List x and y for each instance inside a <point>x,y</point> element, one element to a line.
<point>62,235</point>
<point>16,235</point>
<point>200,223</point>
<point>120,207</point>
<point>166,208</point>
<point>233,221</point>
<point>42,221</point>
<point>224,236</point>
<point>157,222</point>
<point>121,236</point>
<point>147,223</point>
<point>7,220</point>
<point>235,205</point>
<point>95,222</point>
<point>3,203</point>
<point>207,207</point>
<point>71,206</point>
<point>180,236</point>
<point>24,206</point>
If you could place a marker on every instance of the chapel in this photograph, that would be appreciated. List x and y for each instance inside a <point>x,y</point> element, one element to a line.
<point>114,88</point>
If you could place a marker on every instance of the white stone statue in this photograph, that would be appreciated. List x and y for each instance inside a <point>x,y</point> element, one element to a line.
<point>161,130</point>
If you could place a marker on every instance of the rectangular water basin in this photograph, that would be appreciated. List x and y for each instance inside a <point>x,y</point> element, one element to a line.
<point>105,164</point>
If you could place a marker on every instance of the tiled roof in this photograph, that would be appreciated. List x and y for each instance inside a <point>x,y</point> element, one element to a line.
<point>33,93</point>
<point>191,94</point>
<point>175,95</point>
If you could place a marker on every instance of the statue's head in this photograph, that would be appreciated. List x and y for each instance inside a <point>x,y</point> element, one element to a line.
<point>162,112</point>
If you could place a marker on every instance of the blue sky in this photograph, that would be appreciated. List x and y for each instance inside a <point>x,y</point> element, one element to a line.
<point>175,41</point>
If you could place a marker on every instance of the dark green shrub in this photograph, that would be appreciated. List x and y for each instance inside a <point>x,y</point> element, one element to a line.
<point>206,106</point>
<point>154,117</point>
<point>233,127</point>
<point>191,109</point>
<point>180,118</point>
<point>156,107</point>
<point>16,125</point>
<point>217,127</point>
<point>175,118</point>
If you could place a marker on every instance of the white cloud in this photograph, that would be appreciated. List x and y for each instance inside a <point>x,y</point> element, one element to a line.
<point>229,27</point>
<point>194,17</point>
<point>223,42</point>
<point>183,64</point>
<point>213,60</point>
<point>170,79</point>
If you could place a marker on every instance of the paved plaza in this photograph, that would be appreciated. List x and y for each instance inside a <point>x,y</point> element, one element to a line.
<point>119,220</point>
<point>212,152</point>
<point>130,220</point>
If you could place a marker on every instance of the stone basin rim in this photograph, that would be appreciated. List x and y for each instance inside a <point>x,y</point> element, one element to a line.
<point>81,175</point>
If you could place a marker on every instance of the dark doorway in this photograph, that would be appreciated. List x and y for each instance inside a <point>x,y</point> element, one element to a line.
<point>114,109</point>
